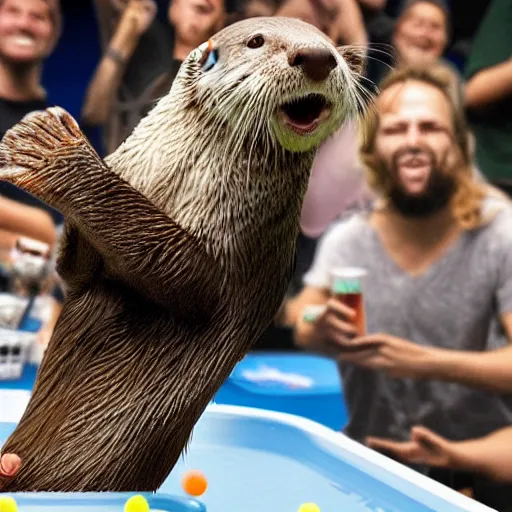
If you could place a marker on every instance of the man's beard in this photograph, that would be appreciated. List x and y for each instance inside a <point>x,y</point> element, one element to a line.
<point>439,190</point>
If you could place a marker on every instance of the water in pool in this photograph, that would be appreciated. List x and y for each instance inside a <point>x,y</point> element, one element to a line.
<point>257,481</point>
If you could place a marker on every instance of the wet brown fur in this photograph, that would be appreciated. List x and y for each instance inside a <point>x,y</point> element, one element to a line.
<point>176,256</point>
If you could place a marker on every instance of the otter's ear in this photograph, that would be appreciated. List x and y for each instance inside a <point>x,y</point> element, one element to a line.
<point>354,56</point>
<point>197,54</point>
<point>205,55</point>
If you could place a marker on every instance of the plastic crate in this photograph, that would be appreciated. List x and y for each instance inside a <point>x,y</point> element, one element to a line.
<point>15,347</point>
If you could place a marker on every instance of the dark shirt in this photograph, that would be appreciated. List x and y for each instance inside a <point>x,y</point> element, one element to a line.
<point>148,77</point>
<point>380,27</point>
<point>150,59</point>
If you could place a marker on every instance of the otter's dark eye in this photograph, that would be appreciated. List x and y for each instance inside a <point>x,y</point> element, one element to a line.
<point>256,42</point>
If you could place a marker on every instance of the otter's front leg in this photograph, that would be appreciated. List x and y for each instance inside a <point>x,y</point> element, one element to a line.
<point>48,155</point>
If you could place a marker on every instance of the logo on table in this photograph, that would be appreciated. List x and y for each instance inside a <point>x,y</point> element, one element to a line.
<point>266,375</point>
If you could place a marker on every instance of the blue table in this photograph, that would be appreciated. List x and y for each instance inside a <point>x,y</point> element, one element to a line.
<point>294,383</point>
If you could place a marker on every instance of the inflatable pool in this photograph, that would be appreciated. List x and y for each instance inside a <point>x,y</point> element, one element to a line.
<point>264,461</point>
<point>101,502</point>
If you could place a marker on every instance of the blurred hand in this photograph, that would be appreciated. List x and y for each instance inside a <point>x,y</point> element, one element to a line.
<point>118,5</point>
<point>326,11</point>
<point>9,465</point>
<point>137,17</point>
<point>336,325</point>
<point>348,27</point>
<point>320,13</point>
<point>396,356</point>
<point>424,447</point>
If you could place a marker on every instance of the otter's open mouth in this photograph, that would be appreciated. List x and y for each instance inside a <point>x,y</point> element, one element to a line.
<point>304,115</point>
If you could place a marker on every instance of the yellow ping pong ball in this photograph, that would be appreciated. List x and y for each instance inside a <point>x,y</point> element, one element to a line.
<point>8,504</point>
<point>137,504</point>
<point>309,507</point>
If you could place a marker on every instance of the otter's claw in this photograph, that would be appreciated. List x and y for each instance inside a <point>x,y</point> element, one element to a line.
<point>36,141</point>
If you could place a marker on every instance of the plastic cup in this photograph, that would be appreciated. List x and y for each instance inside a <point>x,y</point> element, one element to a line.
<point>348,285</point>
<point>312,312</point>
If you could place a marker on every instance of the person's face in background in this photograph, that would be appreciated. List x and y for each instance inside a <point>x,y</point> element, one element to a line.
<point>195,21</point>
<point>421,34</point>
<point>416,147</point>
<point>26,31</point>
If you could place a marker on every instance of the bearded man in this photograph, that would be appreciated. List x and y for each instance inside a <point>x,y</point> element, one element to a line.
<point>437,248</point>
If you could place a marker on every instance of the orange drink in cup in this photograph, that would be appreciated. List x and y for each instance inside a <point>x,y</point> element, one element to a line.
<point>347,285</point>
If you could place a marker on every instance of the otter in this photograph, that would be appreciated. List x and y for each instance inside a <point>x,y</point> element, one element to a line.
<point>177,249</point>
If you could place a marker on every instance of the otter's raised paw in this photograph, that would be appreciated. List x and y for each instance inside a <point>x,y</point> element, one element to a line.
<point>37,140</point>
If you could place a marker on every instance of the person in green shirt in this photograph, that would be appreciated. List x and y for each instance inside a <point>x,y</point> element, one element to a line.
<point>488,94</point>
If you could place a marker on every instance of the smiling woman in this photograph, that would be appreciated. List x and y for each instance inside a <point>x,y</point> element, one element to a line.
<point>421,32</point>
<point>29,29</point>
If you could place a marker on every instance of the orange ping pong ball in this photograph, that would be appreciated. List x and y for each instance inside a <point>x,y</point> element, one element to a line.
<point>194,482</point>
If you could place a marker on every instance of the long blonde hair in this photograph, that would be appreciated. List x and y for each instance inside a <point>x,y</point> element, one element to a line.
<point>466,203</point>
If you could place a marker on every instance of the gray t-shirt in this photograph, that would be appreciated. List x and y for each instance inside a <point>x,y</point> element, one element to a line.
<point>455,304</point>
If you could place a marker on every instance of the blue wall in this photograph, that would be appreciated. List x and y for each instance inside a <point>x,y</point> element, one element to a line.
<point>69,69</point>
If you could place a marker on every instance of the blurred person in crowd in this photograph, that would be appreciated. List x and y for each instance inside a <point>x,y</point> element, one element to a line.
<point>418,36</point>
<point>29,31</point>
<point>488,457</point>
<point>488,94</point>
<point>142,57</point>
<point>437,247</point>
<point>421,32</point>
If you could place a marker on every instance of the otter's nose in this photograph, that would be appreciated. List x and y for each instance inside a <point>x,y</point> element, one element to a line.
<point>317,63</point>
